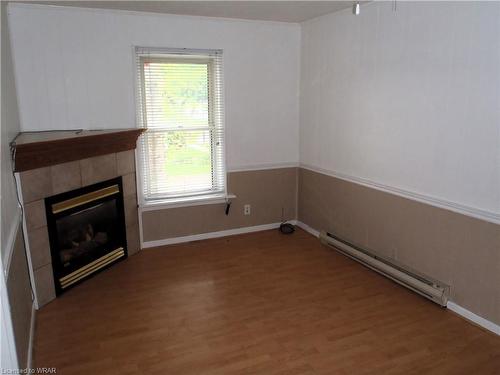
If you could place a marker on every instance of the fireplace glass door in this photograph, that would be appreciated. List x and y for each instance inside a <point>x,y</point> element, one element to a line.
<point>86,231</point>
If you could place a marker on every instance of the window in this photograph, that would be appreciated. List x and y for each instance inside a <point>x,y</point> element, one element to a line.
<point>181,105</point>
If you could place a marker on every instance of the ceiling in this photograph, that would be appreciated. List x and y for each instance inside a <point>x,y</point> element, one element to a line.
<point>284,11</point>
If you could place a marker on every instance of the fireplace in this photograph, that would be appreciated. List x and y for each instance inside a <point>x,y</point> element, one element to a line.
<point>86,231</point>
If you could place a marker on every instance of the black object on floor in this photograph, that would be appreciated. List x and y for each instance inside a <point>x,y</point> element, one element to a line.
<point>287,228</point>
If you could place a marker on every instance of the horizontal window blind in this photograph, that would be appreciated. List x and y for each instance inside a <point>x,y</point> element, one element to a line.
<point>181,105</point>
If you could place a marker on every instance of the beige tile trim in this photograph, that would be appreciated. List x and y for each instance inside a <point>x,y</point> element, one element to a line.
<point>11,239</point>
<point>477,213</point>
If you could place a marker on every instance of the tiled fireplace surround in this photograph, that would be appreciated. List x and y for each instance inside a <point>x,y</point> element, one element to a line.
<point>37,184</point>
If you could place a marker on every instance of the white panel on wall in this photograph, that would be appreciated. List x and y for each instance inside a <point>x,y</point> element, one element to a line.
<point>408,99</point>
<point>10,128</point>
<point>74,69</point>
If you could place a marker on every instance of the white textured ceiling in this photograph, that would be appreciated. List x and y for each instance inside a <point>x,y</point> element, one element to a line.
<point>285,11</point>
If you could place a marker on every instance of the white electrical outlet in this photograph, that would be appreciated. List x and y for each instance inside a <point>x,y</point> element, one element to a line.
<point>246,209</point>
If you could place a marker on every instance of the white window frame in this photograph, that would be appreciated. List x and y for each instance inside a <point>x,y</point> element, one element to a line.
<point>142,55</point>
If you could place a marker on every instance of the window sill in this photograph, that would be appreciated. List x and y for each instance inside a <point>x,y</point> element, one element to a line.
<point>186,202</point>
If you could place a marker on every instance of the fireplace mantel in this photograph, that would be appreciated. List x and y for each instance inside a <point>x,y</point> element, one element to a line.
<point>41,149</point>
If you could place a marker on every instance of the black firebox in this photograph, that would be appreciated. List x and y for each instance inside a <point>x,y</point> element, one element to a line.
<point>86,231</point>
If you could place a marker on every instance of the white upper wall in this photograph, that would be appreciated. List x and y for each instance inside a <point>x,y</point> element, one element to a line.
<point>10,128</point>
<point>407,99</point>
<point>75,69</point>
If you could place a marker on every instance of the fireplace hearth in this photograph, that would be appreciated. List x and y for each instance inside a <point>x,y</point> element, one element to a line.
<point>86,231</point>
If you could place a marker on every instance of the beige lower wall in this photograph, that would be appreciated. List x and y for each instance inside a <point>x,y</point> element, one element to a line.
<point>19,291</point>
<point>267,191</point>
<point>459,250</point>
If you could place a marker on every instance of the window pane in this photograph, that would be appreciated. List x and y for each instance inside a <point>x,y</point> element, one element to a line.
<point>176,94</point>
<point>181,105</point>
<point>181,161</point>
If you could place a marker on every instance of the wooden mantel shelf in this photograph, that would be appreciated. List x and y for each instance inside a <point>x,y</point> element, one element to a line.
<point>41,149</point>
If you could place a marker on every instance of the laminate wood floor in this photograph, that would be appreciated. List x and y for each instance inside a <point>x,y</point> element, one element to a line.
<point>260,303</point>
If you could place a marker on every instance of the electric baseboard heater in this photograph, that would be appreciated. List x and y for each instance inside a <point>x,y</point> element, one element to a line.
<point>421,284</point>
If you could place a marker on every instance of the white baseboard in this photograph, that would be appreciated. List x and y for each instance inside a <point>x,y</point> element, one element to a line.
<point>469,315</point>
<point>307,228</point>
<point>205,236</point>
<point>29,362</point>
